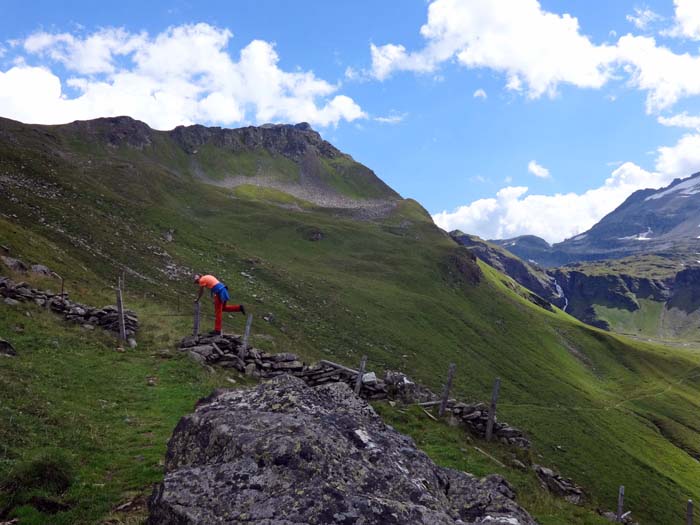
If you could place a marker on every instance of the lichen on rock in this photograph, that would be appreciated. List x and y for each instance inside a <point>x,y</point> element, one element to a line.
<point>285,453</point>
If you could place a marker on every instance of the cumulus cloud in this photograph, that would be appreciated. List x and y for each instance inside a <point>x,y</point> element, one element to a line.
<point>556,217</point>
<point>529,45</point>
<point>680,160</point>
<point>537,50</point>
<point>180,76</point>
<point>682,120</point>
<point>667,76</point>
<point>643,17</point>
<point>537,170</point>
<point>480,93</point>
<point>687,18</point>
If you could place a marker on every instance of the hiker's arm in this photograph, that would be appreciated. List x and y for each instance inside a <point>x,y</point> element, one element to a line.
<point>199,295</point>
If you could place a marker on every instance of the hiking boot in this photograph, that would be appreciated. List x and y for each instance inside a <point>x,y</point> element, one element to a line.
<point>243,309</point>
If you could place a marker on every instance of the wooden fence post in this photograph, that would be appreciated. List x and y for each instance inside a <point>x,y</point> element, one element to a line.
<point>446,391</point>
<point>689,513</point>
<point>195,325</point>
<point>620,503</point>
<point>492,409</point>
<point>120,311</point>
<point>360,375</point>
<point>244,347</point>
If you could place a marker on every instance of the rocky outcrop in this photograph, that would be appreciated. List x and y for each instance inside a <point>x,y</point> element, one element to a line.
<point>227,351</point>
<point>285,453</point>
<point>293,141</point>
<point>14,264</point>
<point>106,318</point>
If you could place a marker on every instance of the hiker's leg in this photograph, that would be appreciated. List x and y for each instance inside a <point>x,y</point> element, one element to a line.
<point>232,307</point>
<point>218,306</point>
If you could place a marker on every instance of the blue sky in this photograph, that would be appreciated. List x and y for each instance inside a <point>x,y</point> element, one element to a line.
<point>579,105</point>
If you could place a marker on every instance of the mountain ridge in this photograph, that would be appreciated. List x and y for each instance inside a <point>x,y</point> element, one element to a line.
<point>292,158</point>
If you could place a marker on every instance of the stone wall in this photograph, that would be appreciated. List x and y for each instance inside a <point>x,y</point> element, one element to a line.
<point>225,351</point>
<point>106,318</point>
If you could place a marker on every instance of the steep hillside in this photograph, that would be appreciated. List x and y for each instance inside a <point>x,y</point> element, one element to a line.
<point>526,274</point>
<point>322,282</point>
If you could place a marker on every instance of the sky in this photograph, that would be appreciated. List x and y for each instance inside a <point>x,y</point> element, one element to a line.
<point>501,117</point>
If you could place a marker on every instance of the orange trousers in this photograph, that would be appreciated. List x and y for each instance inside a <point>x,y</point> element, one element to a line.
<point>220,308</point>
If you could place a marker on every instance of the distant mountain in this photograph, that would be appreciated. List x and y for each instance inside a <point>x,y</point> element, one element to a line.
<point>636,271</point>
<point>649,221</point>
<point>533,249</point>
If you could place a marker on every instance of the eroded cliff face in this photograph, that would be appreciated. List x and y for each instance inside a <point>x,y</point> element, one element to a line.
<point>293,141</point>
<point>284,453</point>
<point>668,307</point>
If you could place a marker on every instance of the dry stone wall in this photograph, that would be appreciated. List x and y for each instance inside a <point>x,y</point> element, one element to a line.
<point>106,318</point>
<point>226,351</point>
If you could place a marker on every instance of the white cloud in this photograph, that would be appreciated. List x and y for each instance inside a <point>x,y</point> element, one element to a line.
<point>555,217</point>
<point>480,93</point>
<point>537,170</point>
<point>666,75</point>
<point>392,118</point>
<point>687,17</point>
<point>643,17</point>
<point>681,160</point>
<point>530,46</point>
<point>92,54</point>
<point>537,50</point>
<point>180,76</point>
<point>682,120</point>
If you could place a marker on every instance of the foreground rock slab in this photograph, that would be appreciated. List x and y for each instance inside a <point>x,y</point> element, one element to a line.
<point>286,453</point>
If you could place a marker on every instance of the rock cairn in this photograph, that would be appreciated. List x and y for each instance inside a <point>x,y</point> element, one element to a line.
<point>285,453</point>
<point>106,318</point>
<point>226,351</point>
<point>558,485</point>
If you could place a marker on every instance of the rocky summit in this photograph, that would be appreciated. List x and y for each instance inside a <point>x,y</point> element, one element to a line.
<point>285,453</point>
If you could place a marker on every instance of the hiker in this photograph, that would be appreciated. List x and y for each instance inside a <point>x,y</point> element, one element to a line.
<point>219,292</point>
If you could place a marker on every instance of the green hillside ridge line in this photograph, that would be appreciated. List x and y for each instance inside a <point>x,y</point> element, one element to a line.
<point>393,287</point>
<point>294,159</point>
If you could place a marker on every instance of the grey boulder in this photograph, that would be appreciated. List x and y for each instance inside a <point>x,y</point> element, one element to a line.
<point>285,453</point>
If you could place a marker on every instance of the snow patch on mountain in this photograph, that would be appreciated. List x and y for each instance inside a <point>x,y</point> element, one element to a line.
<point>686,188</point>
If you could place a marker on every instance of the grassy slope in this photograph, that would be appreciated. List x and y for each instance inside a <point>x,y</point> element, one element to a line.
<point>453,447</point>
<point>594,404</point>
